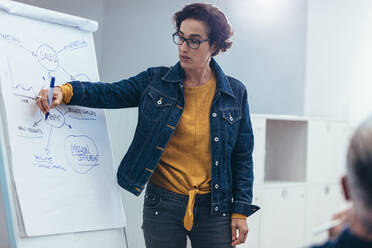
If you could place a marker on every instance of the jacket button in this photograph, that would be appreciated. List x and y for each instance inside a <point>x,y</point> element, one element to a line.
<point>216,209</point>
<point>159,102</point>
<point>216,163</point>
<point>216,186</point>
<point>231,118</point>
<point>214,114</point>
<point>216,139</point>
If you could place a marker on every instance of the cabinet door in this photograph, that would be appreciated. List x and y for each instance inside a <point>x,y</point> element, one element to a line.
<point>254,222</point>
<point>322,201</point>
<point>326,151</point>
<point>340,133</point>
<point>259,132</point>
<point>283,217</point>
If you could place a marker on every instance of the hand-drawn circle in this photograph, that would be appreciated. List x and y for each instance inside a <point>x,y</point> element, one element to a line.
<point>55,118</point>
<point>81,153</point>
<point>82,78</point>
<point>47,57</point>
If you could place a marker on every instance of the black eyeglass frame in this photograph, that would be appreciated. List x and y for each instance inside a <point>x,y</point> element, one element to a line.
<point>187,41</point>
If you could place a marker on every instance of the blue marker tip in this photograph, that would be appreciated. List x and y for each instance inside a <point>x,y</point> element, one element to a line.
<point>50,96</point>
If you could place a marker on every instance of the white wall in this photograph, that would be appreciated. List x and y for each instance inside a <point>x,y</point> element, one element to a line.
<point>268,53</point>
<point>338,59</point>
<point>360,105</point>
<point>275,42</point>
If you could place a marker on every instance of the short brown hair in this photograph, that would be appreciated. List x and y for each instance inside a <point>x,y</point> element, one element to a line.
<point>219,27</point>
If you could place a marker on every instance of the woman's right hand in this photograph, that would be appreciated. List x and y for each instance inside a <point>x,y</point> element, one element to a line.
<point>42,99</point>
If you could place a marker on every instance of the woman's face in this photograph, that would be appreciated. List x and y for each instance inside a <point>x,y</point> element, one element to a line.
<point>192,59</point>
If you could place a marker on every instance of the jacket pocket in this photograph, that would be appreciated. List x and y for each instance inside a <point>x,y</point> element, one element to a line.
<point>157,105</point>
<point>231,119</point>
<point>232,116</point>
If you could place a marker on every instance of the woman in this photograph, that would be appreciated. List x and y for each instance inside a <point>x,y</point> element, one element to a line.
<point>193,140</point>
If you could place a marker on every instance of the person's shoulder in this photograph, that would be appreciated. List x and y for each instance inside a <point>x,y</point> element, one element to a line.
<point>163,69</point>
<point>236,84</point>
<point>158,71</point>
<point>239,89</point>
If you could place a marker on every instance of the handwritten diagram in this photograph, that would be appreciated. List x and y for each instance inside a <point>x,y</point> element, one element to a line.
<point>80,150</point>
<point>62,168</point>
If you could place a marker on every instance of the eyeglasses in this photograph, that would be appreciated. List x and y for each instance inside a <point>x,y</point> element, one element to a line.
<point>191,42</point>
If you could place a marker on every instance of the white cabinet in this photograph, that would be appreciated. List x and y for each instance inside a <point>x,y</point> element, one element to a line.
<point>326,151</point>
<point>285,157</point>
<point>298,163</point>
<point>259,131</point>
<point>322,201</point>
<point>283,214</point>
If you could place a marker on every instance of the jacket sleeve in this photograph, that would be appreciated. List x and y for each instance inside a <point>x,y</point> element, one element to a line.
<point>242,165</point>
<point>122,94</point>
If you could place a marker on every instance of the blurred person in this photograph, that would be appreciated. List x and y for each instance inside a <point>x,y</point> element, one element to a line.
<point>355,229</point>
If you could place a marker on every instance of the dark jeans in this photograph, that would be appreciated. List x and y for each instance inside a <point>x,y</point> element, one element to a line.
<point>163,214</point>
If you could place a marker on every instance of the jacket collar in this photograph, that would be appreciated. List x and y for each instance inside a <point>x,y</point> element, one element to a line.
<point>176,74</point>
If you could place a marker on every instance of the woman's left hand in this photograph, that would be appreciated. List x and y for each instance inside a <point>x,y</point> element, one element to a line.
<point>241,226</point>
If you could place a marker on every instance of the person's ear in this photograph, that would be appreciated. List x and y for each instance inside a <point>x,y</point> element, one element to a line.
<point>213,48</point>
<point>345,188</point>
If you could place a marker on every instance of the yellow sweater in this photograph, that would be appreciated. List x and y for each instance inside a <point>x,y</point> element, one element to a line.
<point>185,165</point>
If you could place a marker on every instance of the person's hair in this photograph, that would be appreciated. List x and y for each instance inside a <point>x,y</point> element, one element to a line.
<point>220,30</point>
<point>359,168</point>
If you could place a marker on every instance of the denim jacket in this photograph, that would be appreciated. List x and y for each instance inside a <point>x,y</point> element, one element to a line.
<point>159,95</point>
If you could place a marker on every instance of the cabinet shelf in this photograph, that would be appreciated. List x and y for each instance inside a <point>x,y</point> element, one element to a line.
<point>285,150</point>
